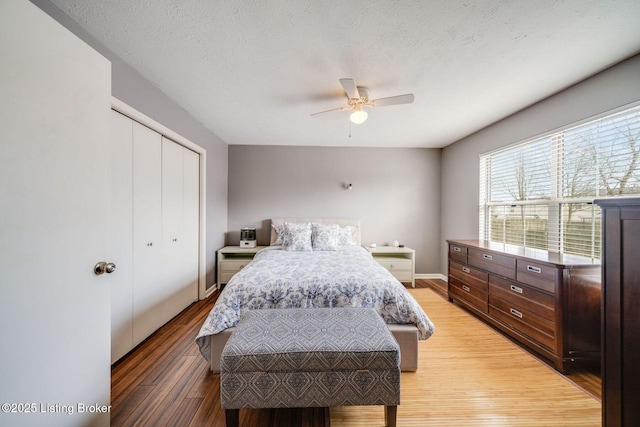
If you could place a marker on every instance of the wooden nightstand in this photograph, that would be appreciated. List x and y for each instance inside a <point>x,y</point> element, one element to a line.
<point>399,261</point>
<point>232,259</point>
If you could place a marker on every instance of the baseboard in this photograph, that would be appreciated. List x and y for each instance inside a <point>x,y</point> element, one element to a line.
<point>431,276</point>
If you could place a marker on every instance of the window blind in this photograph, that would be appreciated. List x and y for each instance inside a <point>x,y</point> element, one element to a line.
<point>540,193</point>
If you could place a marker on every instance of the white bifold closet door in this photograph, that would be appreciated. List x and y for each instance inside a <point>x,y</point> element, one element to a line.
<point>180,207</point>
<point>149,289</point>
<point>157,218</point>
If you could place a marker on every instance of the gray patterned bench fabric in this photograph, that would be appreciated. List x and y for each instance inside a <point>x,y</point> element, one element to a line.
<point>311,357</point>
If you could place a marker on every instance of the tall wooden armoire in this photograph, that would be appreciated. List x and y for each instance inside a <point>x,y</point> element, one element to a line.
<point>620,311</point>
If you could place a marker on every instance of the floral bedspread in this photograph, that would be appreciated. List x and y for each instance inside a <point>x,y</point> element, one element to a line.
<point>349,277</point>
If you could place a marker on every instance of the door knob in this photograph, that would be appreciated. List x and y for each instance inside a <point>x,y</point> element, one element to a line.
<point>103,267</point>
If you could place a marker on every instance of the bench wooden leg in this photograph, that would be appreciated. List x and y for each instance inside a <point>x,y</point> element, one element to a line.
<point>390,414</point>
<point>232,416</point>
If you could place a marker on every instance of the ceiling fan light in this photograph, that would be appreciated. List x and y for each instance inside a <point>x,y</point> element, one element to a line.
<point>359,116</point>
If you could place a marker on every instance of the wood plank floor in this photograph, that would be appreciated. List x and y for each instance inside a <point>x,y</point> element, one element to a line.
<point>469,375</point>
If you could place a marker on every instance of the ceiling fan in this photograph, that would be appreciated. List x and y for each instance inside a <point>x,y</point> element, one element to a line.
<point>358,99</point>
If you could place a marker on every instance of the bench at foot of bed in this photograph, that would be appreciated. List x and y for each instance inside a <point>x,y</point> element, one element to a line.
<point>405,335</point>
<point>299,358</point>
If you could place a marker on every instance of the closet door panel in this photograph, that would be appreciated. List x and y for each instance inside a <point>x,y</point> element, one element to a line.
<point>172,184</point>
<point>191,224</point>
<point>172,227</point>
<point>147,236</point>
<point>121,232</point>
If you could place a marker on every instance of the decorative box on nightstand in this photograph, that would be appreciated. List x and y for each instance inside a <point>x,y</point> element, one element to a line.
<point>232,259</point>
<point>399,261</point>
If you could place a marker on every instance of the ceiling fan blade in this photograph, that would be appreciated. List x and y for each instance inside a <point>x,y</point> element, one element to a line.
<point>350,88</point>
<point>329,111</point>
<point>394,100</point>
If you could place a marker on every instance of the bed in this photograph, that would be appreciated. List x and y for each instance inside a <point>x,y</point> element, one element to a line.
<point>302,269</point>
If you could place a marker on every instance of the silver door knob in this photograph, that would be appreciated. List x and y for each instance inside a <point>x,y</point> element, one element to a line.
<point>103,267</point>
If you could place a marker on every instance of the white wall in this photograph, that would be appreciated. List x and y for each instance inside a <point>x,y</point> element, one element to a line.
<point>133,89</point>
<point>610,89</point>
<point>395,193</point>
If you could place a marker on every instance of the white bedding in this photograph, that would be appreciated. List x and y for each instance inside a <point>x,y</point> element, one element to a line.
<point>282,279</point>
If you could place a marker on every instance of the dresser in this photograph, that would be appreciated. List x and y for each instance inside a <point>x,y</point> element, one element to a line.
<point>399,261</point>
<point>621,312</point>
<point>548,302</point>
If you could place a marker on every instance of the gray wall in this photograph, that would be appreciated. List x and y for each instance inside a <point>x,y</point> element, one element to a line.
<point>133,89</point>
<point>610,89</point>
<point>398,193</point>
<point>395,193</point>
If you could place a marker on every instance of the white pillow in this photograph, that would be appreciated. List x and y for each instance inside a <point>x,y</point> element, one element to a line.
<point>324,237</point>
<point>279,230</point>
<point>297,237</point>
<point>345,235</point>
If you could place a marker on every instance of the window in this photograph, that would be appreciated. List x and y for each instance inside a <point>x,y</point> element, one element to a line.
<point>540,193</point>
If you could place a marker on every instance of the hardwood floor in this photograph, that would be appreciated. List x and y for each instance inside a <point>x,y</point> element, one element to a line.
<point>469,375</point>
<point>586,377</point>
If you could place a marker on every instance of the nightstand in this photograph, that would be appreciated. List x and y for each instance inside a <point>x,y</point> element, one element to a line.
<point>399,261</point>
<point>232,259</point>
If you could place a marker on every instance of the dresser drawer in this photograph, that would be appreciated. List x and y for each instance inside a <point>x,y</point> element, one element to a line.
<point>535,327</point>
<point>472,276</point>
<point>495,263</point>
<point>395,264</point>
<point>457,252</point>
<point>469,294</point>
<point>538,275</point>
<point>233,266</point>
<point>533,300</point>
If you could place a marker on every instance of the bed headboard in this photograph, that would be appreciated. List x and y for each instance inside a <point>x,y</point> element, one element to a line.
<point>340,221</point>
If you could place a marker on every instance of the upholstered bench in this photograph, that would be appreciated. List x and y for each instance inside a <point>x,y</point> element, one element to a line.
<point>312,357</point>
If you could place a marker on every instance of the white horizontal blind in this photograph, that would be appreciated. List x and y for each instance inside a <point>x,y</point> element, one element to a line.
<point>540,193</point>
<point>521,174</point>
<point>601,157</point>
<point>581,229</point>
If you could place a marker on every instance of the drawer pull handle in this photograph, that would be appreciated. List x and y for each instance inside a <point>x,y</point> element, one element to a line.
<point>534,269</point>
<point>392,266</point>
<point>466,270</point>
<point>456,249</point>
<point>489,257</point>
<point>241,267</point>
<point>516,313</point>
<point>466,288</point>
<point>516,289</point>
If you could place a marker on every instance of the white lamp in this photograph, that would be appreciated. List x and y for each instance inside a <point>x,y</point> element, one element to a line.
<point>358,116</point>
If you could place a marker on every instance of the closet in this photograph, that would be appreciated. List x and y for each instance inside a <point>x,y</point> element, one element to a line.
<point>155,224</point>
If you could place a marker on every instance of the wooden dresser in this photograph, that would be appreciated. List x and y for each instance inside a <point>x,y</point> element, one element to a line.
<point>548,302</point>
<point>621,312</point>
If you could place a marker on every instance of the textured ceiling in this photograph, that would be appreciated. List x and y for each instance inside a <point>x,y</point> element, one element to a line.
<point>253,71</point>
